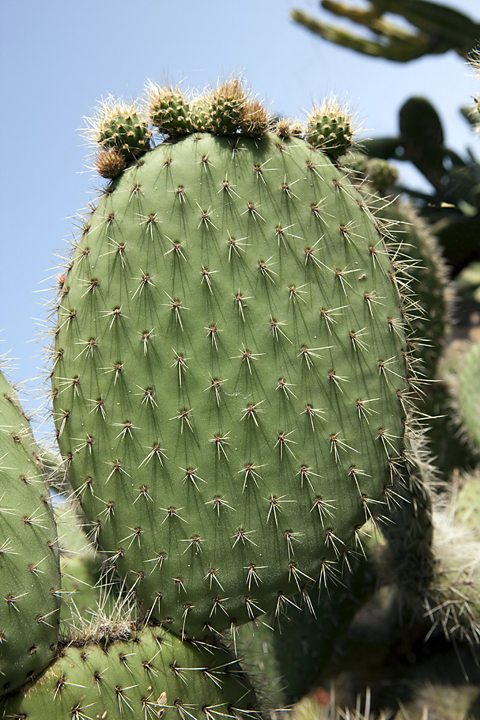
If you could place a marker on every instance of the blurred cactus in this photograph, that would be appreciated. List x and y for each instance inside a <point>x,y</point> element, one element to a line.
<point>435,29</point>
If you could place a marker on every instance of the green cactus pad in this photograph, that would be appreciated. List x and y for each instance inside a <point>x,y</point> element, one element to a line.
<point>151,674</point>
<point>468,394</point>
<point>29,566</point>
<point>86,590</point>
<point>228,386</point>
<point>285,665</point>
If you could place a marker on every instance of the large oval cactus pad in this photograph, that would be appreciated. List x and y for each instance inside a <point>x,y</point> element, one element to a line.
<point>229,375</point>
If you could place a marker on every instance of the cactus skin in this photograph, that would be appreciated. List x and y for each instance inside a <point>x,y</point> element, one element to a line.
<point>226,384</point>
<point>110,163</point>
<point>29,566</point>
<point>81,572</point>
<point>147,675</point>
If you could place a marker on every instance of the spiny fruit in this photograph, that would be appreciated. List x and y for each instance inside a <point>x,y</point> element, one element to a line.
<point>140,674</point>
<point>29,565</point>
<point>169,110</point>
<point>230,376</point>
<point>329,128</point>
<point>120,126</point>
<point>227,107</point>
<point>380,174</point>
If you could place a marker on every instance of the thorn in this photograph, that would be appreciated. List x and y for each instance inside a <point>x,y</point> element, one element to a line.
<point>249,472</point>
<point>220,441</point>
<point>283,441</point>
<point>276,328</point>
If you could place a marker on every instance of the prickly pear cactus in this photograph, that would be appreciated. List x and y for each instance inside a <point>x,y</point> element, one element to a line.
<point>429,273</point>
<point>145,674</point>
<point>409,236</point>
<point>330,127</point>
<point>468,398</point>
<point>230,374</point>
<point>29,566</point>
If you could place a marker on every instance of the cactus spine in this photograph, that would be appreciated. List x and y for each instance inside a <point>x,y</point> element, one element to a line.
<point>145,673</point>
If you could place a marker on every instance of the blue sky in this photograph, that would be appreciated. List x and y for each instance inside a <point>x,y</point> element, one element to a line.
<point>57,59</point>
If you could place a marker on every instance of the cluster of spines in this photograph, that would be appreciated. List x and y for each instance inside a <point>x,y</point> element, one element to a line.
<point>29,568</point>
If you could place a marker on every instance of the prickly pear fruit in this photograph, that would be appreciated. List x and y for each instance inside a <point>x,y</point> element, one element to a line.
<point>29,566</point>
<point>135,674</point>
<point>329,128</point>
<point>230,376</point>
<point>121,127</point>
<point>409,236</point>
<point>168,110</point>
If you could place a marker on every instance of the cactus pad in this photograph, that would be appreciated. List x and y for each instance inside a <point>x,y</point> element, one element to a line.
<point>149,675</point>
<point>29,566</point>
<point>230,375</point>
